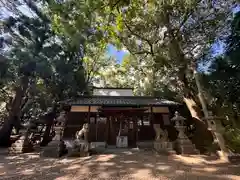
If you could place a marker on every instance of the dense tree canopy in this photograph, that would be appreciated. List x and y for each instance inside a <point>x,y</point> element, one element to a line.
<point>223,81</point>
<point>40,67</point>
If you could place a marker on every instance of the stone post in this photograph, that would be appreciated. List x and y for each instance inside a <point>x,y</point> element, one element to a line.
<point>56,148</point>
<point>184,144</point>
<point>215,126</point>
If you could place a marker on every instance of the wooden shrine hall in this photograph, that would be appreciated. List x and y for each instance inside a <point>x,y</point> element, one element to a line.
<point>117,117</point>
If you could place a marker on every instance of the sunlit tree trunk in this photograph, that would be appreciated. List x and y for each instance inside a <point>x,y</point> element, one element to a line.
<point>202,137</point>
<point>216,134</point>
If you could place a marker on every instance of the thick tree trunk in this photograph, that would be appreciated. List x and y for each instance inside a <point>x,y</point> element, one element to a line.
<point>193,108</point>
<point>202,137</point>
<point>5,133</point>
<point>15,109</point>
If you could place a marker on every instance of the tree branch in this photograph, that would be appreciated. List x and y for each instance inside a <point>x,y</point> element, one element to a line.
<point>140,37</point>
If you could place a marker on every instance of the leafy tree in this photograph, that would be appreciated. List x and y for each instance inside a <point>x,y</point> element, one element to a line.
<point>94,62</point>
<point>172,37</point>
<point>43,68</point>
<point>168,37</point>
<point>222,86</point>
<point>223,79</point>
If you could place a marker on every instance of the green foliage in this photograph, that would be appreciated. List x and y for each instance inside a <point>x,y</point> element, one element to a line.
<point>223,86</point>
<point>232,136</point>
<point>62,48</point>
<point>166,36</point>
<point>53,61</point>
<point>223,82</point>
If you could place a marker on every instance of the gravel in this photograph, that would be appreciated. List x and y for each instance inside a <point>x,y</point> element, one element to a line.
<point>122,165</point>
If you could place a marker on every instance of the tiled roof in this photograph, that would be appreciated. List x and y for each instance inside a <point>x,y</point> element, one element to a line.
<point>121,100</point>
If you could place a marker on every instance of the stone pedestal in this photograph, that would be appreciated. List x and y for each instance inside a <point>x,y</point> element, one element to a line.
<point>22,145</point>
<point>122,141</point>
<point>164,147</point>
<point>56,148</point>
<point>80,149</point>
<point>184,145</point>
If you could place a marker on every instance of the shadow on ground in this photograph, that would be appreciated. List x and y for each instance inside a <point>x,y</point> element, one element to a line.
<point>120,165</point>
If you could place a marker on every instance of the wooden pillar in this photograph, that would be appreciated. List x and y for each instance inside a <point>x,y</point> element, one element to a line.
<point>88,116</point>
<point>151,114</point>
<point>88,121</point>
<point>107,129</point>
<point>135,127</point>
<point>112,131</point>
<point>96,125</point>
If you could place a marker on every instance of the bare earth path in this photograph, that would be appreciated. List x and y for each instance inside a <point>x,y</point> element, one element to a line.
<point>122,165</point>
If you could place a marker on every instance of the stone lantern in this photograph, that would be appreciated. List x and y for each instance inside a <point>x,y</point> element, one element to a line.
<point>179,125</point>
<point>57,147</point>
<point>185,146</point>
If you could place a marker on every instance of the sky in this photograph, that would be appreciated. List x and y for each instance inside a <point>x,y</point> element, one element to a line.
<point>112,51</point>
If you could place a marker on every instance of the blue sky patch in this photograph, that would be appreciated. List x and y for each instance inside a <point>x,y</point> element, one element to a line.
<point>112,51</point>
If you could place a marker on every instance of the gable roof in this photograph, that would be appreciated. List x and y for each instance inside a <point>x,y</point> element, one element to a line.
<point>121,101</point>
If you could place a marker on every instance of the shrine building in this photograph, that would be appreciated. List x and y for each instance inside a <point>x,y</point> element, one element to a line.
<point>114,113</point>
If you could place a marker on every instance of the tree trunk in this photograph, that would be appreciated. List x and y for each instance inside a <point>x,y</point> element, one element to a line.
<point>5,133</point>
<point>46,135</point>
<point>15,109</point>
<point>49,120</point>
<point>202,137</point>
<point>193,108</point>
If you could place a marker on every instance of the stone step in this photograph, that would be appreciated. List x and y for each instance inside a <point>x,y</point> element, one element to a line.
<point>165,152</point>
<point>234,158</point>
<point>186,147</point>
<point>171,152</point>
<point>189,150</point>
<point>4,151</point>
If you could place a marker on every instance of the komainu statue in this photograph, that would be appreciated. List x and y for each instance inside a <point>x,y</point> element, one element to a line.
<point>161,135</point>
<point>81,145</point>
<point>83,133</point>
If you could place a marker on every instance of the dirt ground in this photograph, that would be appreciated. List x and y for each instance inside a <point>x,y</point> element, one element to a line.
<point>121,165</point>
